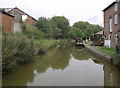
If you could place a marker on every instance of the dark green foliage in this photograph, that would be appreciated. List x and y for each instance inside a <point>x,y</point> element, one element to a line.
<point>44,25</point>
<point>62,24</point>
<point>87,28</point>
<point>82,25</point>
<point>16,50</point>
<point>33,32</point>
<point>75,33</point>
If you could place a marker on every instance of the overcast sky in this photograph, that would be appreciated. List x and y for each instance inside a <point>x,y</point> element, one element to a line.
<point>74,10</point>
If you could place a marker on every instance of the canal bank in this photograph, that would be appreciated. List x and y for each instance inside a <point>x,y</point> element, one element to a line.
<point>28,54</point>
<point>105,56</point>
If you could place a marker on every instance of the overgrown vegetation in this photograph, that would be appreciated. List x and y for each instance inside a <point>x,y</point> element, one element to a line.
<point>16,49</point>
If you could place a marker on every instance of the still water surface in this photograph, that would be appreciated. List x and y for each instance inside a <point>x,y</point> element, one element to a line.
<point>65,66</point>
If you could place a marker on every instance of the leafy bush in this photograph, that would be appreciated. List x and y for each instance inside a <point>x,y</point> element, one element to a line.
<point>16,50</point>
<point>33,32</point>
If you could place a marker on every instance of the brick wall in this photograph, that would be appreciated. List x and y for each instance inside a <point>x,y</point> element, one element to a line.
<point>29,21</point>
<point>108,13</point>
<point>7,22</point>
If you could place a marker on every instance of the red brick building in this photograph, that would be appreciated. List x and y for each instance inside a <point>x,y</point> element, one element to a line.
<point>29,20</point>
<point>16,15</point>
<point>112,24</point>
<point>7,21</point>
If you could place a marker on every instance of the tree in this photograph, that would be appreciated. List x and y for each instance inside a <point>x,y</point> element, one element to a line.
<point>82,25</point>
<point>87,28</point>
<point>62,23</point>
<point>75,33</point>
<point>44,25</point>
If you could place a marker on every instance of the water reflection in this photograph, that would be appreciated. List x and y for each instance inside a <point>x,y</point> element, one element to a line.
<point>58,63</point>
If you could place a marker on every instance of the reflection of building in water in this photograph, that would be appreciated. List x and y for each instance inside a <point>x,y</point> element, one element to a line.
<point>111,73</point>
<point>111,76</point>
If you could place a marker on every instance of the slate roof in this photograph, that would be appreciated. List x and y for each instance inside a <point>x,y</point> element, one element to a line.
<point>3,11</point>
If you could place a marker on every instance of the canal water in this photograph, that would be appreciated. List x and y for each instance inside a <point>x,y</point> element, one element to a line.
<point>65,65</point>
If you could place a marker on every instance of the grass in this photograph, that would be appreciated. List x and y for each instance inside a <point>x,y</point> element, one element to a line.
<point>44,42</point>
<point>108,49</point>
<point>88,43</point>
<point>107,52</point>
<point>42,45</point>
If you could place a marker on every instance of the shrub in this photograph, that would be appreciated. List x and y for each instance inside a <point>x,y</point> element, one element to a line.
<point>16,49</point>
<point>33,32</point>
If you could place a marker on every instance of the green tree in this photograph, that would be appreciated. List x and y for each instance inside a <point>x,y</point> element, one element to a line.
<point>87,28</point>
<point>44,25</point>
<point>82,25</point>
<point>75,33</point>
<point>61,23</point>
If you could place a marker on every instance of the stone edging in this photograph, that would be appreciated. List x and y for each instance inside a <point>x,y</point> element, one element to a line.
<point>102,55</point>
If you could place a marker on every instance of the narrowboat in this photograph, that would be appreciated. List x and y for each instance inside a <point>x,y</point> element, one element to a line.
<point>79,42</point>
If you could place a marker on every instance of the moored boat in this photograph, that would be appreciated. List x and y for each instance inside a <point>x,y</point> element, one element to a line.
<point>79,42</point>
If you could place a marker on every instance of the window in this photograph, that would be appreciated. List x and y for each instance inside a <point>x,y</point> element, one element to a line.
<point>116,38</point>
<point>116,19</point>
<point>116,7</point>
<point>110,24</point>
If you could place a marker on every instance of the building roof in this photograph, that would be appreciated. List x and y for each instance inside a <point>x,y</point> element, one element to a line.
<point>3,11</point>
<point>23,12</point>
<point>99,33</point>
<point>111,4</point>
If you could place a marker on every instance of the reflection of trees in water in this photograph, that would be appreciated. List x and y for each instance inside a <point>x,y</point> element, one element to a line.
<point>20,77</point>
<point>57,58</point>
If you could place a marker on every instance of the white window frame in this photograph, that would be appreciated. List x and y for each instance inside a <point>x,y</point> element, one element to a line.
<point>116,7</point>
<point>110,24</point>
<point>116,19</point>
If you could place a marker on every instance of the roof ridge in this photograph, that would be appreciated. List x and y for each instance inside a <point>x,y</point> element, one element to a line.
<point>23,12</point>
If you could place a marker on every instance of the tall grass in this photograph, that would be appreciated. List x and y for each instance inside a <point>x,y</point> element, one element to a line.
<point>16,49</point>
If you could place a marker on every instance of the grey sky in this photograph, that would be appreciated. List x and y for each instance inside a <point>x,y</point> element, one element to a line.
<point>74,10</point>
